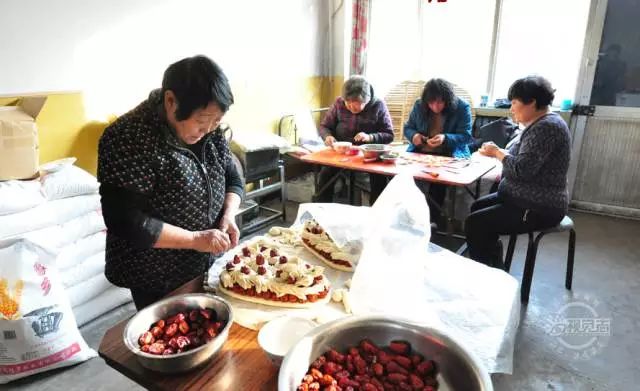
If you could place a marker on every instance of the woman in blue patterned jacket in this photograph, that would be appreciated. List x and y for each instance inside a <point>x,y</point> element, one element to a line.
<point>532,194</point>
<point>439,124</point>
<point>169,188</point>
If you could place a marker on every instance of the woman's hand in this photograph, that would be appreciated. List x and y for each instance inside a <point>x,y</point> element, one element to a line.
<point>329,140</point>
<point>417,139</point>
<point>436,140</point>
<point>211,241</point>
<point>488,149</point>
<point>491,150</point>
<point>228,225</point>
<point>362,137</point>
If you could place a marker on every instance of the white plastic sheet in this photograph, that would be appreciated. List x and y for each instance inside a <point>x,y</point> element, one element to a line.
<point>400,274</point>
<point>477,304</point>
<point>398,277</point>
<point>343,223</point>
<point>389,278</point>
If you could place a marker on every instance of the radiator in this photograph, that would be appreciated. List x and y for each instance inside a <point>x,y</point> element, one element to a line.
<point>609,166</point>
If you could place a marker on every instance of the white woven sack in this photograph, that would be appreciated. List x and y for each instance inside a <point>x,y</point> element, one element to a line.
<point>38,326</point>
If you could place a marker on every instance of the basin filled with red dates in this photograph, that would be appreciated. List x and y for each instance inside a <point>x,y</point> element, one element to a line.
<point>376,353</point>
<point>179,333</point>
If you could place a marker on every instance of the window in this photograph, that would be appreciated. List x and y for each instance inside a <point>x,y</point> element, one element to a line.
<point>416,40</point>
<point>617,78</point>
<point>543,37</point>
<point>394,43</point>
<point>456,42</point>
<point>413,40</point>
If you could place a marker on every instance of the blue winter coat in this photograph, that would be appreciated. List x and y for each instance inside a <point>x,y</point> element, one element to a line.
<point>456,128</point>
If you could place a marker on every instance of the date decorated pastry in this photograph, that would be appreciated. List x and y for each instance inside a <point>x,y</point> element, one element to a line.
<point>318,242</point>
<point>259,273</point>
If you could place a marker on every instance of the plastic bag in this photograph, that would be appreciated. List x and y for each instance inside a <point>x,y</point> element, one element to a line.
<point>47,214</point>
<point>90,267</point>
<point>401,275</point>
<point>61,236</point>
<point>399,229</point>
<point>101,304</point>
<point>69,181</point>
<point>76,252</point>
<point>38,327</point>
<point>87,290</point>
<point>17,196</point>
<point>345,224</point>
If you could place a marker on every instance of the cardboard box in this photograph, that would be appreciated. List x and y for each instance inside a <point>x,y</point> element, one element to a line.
<point>19,139</point>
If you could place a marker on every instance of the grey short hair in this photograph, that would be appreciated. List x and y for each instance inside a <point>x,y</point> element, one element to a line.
<point>356,87</point>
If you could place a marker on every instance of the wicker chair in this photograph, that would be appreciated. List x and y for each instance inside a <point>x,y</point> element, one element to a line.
<point>400,100</point>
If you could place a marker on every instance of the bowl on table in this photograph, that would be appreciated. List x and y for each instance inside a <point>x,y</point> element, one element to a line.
<point>277,336</point>
<point>342,147</point>
<point>389,157</point>
<point>372,152</point>
<point>457,369</point>
<point>352,151</point>
<point>166,308</point>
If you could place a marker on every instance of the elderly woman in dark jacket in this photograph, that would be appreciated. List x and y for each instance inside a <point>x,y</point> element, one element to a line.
<point>358,116</point>
<point>532,194</point>
<point>169,188</point>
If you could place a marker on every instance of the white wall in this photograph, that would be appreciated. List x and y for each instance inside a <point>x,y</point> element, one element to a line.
<point>115,51</point>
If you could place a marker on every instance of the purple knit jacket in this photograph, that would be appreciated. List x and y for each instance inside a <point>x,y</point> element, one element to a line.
<point>342,124</point>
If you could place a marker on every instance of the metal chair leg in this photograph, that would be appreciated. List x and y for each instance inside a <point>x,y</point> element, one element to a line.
<point>283,193</point>
<point>510,249</point>
<point>530,262</point>
<point>570,258</point>
<point>351,189</point>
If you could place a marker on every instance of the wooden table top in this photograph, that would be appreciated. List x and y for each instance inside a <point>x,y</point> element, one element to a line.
<point>445,175</point>
<point>240,364</point>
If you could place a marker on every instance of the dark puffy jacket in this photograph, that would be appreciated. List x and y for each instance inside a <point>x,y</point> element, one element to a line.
<point>141,155</point>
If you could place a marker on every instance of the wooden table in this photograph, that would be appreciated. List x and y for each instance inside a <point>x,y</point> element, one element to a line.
<point>452,178</point>
<point>240,365</point>
<point>461,177</point>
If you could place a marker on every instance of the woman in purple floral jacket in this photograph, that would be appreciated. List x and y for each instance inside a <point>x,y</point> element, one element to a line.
<point>357,116</point>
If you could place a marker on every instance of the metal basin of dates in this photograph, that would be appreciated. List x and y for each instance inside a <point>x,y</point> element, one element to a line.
<point>188,360</point>
<point>458,369</point>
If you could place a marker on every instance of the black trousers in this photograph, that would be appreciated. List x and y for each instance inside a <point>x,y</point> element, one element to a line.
<point>435,201</point>
<point>378,183</point>
<point>491,217</point>
<point>435,194</point>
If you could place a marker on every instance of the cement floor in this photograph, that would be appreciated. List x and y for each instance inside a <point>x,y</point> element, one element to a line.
<point>607,276</point>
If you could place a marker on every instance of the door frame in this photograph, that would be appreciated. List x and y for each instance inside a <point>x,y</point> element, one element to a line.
<point>586,75</point>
